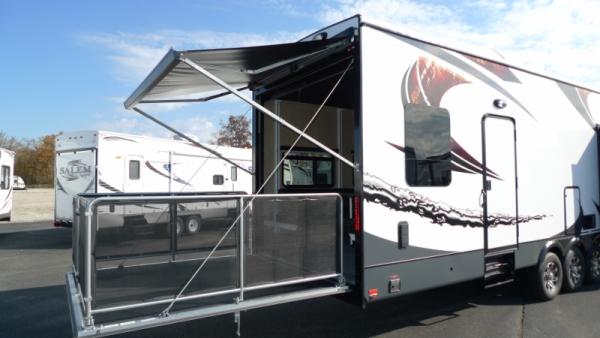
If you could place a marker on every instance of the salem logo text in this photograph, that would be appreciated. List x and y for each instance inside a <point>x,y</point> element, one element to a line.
<point>75,169</point>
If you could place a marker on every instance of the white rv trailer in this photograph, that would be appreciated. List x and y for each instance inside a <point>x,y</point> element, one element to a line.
<point>104,162</point>
<point>7,165</point>
<point>450,167</point>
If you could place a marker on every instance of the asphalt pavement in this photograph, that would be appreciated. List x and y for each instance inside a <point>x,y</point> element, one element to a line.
<point>34,258</point>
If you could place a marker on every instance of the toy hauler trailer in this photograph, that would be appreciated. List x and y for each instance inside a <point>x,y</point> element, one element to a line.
<point>383,164</point>
<point>104,162</point>
<point>7,165</point>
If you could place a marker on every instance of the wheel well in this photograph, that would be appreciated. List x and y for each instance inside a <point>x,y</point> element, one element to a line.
<point>556,250</point>
<point>596,240</point>
<point>576,243</point>
<point>551,246</point>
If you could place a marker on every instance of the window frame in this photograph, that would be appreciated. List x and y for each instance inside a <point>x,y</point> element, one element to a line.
<point>410,108</point>
<point>139,170</point>
<point>315,160</point>
<point>218,178</point>
<point>5,183</point>
<point>234,174</point>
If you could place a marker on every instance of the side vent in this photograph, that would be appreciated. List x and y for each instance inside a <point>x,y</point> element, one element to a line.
<point>589,222</point>
<point>402,235</point>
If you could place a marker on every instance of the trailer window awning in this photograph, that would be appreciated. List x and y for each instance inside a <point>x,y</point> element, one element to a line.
<point>172,79</point>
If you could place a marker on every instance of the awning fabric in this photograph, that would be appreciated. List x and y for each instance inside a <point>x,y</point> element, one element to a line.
<point>238,67</point>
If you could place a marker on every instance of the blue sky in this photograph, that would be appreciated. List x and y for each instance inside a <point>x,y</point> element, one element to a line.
<point>68,65</point>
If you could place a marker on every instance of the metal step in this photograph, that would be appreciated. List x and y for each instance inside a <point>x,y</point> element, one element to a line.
<point>498,283</point>
<point>134,324</point>
<point>499,269</point>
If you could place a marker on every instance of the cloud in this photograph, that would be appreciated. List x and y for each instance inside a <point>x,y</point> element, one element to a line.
<point>135,55</point>
<point>557,37</point>
<point>198,128</point>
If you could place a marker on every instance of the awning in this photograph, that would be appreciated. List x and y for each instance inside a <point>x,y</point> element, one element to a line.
<point>173,79</point>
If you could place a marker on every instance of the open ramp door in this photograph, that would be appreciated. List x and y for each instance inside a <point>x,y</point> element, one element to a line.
<point>135,269</point>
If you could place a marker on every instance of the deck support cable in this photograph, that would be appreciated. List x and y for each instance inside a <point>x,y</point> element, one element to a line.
<point>165,312</point>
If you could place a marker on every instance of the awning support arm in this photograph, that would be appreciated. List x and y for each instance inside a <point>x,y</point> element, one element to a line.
<point>243,208</point>
<point>189,139</point>
<point>264,110</point>
<point>200,99</point>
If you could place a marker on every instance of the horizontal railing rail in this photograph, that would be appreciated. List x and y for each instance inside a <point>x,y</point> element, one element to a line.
<point>87,236</point>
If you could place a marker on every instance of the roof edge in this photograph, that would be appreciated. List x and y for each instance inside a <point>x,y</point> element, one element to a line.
<point>487,58</point>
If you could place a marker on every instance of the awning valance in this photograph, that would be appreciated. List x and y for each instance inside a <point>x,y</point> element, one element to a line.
<point>238,67</point>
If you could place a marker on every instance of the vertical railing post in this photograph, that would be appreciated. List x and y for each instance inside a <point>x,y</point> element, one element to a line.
<point>242,253</point>
<point>173,228</point>
<point>340,202</point>
<point>88,320</point>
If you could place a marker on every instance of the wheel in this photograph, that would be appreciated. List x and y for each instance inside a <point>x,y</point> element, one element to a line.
<point>574,265</point>
<point>593,264</point>
<point>178,227</point>
<point>192,225</point>
<point>547,278</point>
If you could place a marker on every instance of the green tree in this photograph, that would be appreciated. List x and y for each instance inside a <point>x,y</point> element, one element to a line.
<point>34,158</point>
<point>236,133</point>
<point>9,142</point>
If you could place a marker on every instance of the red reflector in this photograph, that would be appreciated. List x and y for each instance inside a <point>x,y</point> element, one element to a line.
<point>356,214</point>
<point>373,293</point>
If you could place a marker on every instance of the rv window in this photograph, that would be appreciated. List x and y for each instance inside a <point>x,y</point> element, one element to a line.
<point>5,181</point>
<point>308,168</point>
<point>134,170</point>
<point>218,179</point>
<point>234,174</point>
<point>427,146</point>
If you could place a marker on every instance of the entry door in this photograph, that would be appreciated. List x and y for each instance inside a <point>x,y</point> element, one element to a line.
<point>134,180</point>
<point>500,198</point>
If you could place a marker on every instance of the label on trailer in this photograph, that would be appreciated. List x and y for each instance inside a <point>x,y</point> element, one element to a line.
<point>75,174</point>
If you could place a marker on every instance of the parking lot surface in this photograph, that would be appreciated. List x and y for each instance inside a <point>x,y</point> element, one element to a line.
<point>34,258</point>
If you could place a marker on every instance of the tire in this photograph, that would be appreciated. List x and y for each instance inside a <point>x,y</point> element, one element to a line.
<point>178,227</point>
<point>593,265</point>
<point>193,224</point>
<point>547,278</point>
<point>574,270</point>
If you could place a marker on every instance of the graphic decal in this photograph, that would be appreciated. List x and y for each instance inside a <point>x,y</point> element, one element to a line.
<point>461,160</point>
<point>396,198</point>
<point>75,170</point>
<point>7,200</point>
<point>501,71</point>
<point>426,82</point>
<point>175,178</point>
<point>578,98</point>
<point>118,138</point>
<point>107,186</point>
<point>457,62</point>
<point>59,186</point>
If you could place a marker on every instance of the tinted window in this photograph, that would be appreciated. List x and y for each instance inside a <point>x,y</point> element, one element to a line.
<point>234,174</point>
<point>134,170</point>
<point>5,178</point>
<point>427,146</point>
<point>307,168</point>
<point>218,179</point>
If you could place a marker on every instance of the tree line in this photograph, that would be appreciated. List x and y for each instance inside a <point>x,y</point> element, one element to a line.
<point>34,158</point>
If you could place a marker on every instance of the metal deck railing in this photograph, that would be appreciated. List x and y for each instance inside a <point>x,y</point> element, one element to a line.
<point>149,260</point>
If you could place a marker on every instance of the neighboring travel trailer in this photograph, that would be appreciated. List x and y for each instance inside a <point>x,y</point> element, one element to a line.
<point>7,165</point>
<point>383,165</point>
<point>105,162</point>
<point>19,183</point>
